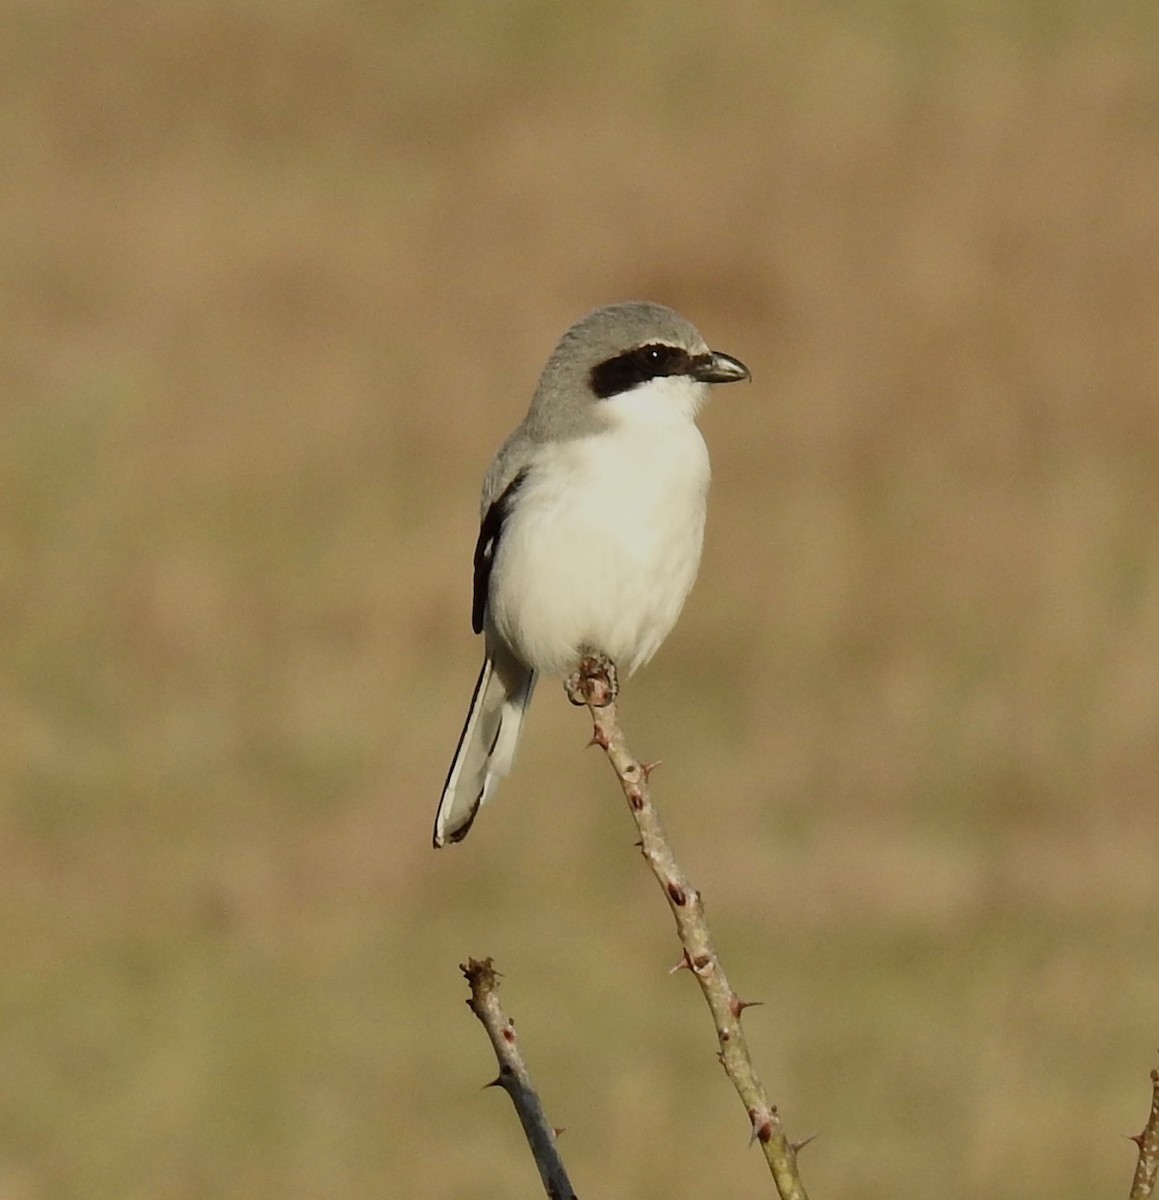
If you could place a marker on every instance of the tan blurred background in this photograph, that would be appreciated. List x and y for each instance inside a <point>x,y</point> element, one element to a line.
<point>276,278</point>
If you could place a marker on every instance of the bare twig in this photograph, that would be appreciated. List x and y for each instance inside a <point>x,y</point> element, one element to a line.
<point>699,952</point>
<point>1147,1170</point>
<point>513,1077</point>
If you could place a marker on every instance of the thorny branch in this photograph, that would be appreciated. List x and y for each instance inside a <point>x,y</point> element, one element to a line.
<point>592,686</point>
<point>513,1077</point>
<point>1147,1169</point>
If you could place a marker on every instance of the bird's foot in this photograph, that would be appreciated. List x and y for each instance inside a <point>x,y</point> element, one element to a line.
<point>594,682</point>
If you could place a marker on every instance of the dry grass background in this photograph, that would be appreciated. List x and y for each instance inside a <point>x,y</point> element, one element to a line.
<point>275,280</point>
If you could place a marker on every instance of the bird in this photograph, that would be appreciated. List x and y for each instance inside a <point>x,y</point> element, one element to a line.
<point>591,526</point>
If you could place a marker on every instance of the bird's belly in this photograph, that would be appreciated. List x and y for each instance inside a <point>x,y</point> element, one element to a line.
<point>601,556</point>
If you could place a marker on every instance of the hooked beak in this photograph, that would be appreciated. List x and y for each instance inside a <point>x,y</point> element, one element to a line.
<point>715,367</point>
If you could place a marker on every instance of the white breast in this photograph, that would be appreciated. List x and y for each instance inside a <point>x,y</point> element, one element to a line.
<point>603,544</point>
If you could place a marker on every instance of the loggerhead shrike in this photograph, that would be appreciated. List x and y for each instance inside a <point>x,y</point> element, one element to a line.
<point>592,523</point>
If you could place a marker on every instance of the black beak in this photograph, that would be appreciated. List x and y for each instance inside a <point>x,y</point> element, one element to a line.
<point>715,367</point>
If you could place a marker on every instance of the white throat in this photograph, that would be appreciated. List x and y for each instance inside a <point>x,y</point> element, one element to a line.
<point>659,403</point>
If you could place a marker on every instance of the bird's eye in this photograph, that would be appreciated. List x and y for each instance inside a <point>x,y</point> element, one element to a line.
<point>656,357</point>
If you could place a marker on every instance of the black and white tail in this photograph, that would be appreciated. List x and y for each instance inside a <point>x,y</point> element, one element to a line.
<point>486,747</point>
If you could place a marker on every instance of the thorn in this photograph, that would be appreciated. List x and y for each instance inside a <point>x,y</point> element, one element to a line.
<point>599,738</point>
<point>1137,1138</point>
<point>648,768</point>
<point>762,1128</point>
<point>496,1082</point>
<point>799,1146</point>
<point>736,1005</point>
<point>683,965</point>
<point>557,1130</point>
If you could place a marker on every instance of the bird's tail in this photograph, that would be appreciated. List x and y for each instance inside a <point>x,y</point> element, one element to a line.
<point>486,747</point>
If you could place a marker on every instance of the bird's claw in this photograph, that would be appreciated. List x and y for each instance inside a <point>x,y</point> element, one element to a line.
<point>593,683</point>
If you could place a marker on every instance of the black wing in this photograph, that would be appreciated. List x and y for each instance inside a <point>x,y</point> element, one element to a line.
<point>489,533</point>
